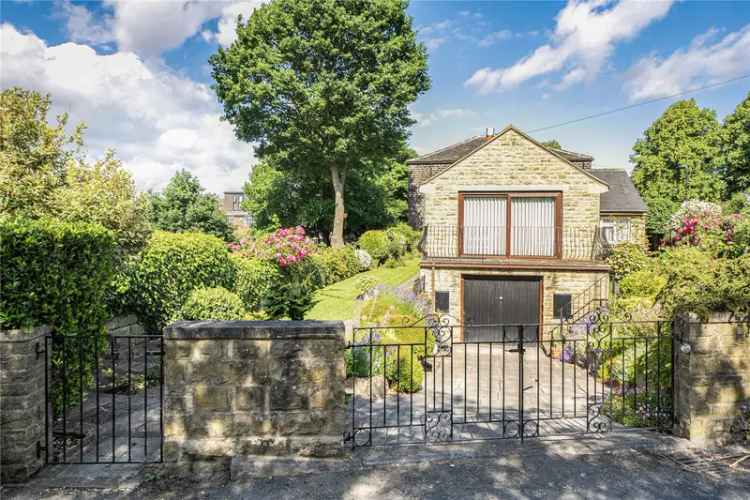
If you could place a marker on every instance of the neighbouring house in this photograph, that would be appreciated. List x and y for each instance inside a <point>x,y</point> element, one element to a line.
<point>232,207</point>
<point>517,233</point>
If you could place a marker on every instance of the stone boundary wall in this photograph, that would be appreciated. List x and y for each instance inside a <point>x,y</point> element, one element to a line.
<point>237,389</point>
<point>712,379</point>
<point>22,424</point>
<point>125,325</point>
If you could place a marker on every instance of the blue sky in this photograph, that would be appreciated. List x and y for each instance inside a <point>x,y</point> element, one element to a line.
<point>137,73</point>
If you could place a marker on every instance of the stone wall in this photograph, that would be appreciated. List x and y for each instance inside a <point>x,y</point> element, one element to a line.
<point>22,424</point>
<point>712,379</point>
<point>125,325</point>
<point>632,224</point>
<point>572,282</point>
<point>511,163</point>
<point>253,388</point>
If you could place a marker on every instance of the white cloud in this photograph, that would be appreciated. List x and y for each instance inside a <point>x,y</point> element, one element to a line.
<point>149,28</point>
<point>434,43</point>
<point>494,37</point>
<point>707,60</point>
<point>427,119</point>
<point>583,40</point>
<point>157,121</point>
<point>226,29</point>
<point>82,25</point>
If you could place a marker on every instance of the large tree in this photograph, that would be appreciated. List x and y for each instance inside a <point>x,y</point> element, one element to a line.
<point>677,159</point>
<point>184,206</point>
<point>375,197</point>
<point>34,154</point>
<point>735,144</point>
<point>322,87</point>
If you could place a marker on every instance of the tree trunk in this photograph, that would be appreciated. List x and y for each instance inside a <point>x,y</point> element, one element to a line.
<point>337,234</point>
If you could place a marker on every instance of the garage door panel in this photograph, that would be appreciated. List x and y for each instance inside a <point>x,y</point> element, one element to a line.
<point>490,302</point>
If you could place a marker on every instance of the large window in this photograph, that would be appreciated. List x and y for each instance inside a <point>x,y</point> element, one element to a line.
<point>515,224</point>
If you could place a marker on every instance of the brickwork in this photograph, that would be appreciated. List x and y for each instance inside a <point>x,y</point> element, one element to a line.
<point>712,379</point>
<point>22,423</point>
<point>637,224</point>
<point>249,388</point>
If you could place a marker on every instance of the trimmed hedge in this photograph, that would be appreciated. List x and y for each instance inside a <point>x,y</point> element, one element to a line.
<point>212,303</point>
<point>376,243</point>
<point>170,267</point>
<point>55,273</point>
<point>254,278</point>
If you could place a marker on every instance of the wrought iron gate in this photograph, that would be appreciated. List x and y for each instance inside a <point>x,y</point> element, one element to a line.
<point>426,384</point>
<point>104,399</point>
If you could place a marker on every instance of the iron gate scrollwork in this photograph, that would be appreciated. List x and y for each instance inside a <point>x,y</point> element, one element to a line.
<point>426,383</point>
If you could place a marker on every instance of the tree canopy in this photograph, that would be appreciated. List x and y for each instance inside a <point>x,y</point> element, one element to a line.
<point>376,197</point>
<point>676,160</point>
<point>33,153</point>
<point>44,172</point>
<point>735,143</point>
<point>322,87</point>
<point>183,206</point>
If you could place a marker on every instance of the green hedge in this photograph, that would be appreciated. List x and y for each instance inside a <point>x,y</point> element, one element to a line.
<point>170,267</point>
<point>212,303</point>
<point>254,277</point>
<point>57,273</point>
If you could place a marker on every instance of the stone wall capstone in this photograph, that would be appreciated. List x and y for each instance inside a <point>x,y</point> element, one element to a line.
<point>22,402</point>
<point>712,378</point>
<point>253,388</point>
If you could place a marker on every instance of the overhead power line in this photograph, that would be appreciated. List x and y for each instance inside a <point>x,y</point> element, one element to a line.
<point>644,103</point>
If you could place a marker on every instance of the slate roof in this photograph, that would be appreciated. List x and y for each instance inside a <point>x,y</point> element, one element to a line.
<point>622,195</point>
<point>457,151</point>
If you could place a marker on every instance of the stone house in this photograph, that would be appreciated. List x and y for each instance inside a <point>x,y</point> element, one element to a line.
<point>517,232</point>
<point>231,205</point>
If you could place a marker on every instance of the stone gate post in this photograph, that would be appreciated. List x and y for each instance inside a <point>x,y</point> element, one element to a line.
<point>22,403</point>
<point>712,378</point>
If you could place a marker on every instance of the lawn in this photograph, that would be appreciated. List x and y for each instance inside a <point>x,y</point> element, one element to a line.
<point>339,301</point>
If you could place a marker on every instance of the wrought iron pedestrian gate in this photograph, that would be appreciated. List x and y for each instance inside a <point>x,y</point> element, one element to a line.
<point>104,399</point>
<point>427,384</point>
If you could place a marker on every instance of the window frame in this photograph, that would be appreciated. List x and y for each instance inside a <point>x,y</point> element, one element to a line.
<point>509,195</point>
<point>556,310</point>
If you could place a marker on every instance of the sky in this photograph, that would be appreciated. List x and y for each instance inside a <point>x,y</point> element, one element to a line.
<point>137,73</point>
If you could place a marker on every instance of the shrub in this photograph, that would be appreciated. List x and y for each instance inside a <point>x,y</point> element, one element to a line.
<point>57,273</point>
<point>406,325</point>
<point>337,264</point>
<point>365,261</point>
<point>170,267</point>
<point>627,258</point>
<point>642,283</point>
<point>376,243</point>
<point>254,278</point>
<point>405,373</point>
<point>212,303</point>
<point>407,236</point>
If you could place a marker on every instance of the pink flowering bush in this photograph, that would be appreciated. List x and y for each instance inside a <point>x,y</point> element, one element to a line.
<point>288,249</point>
<point>698,223</point>
<point>290,245</point>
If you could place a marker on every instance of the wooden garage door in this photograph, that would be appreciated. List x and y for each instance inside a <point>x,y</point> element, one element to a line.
<point>490,302</point>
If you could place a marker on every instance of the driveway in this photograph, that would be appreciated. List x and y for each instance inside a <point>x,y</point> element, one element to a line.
<point>482,390</point>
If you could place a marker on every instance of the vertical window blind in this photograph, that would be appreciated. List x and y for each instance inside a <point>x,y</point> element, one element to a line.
<point>484,225</point>
<point>533,226</point>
